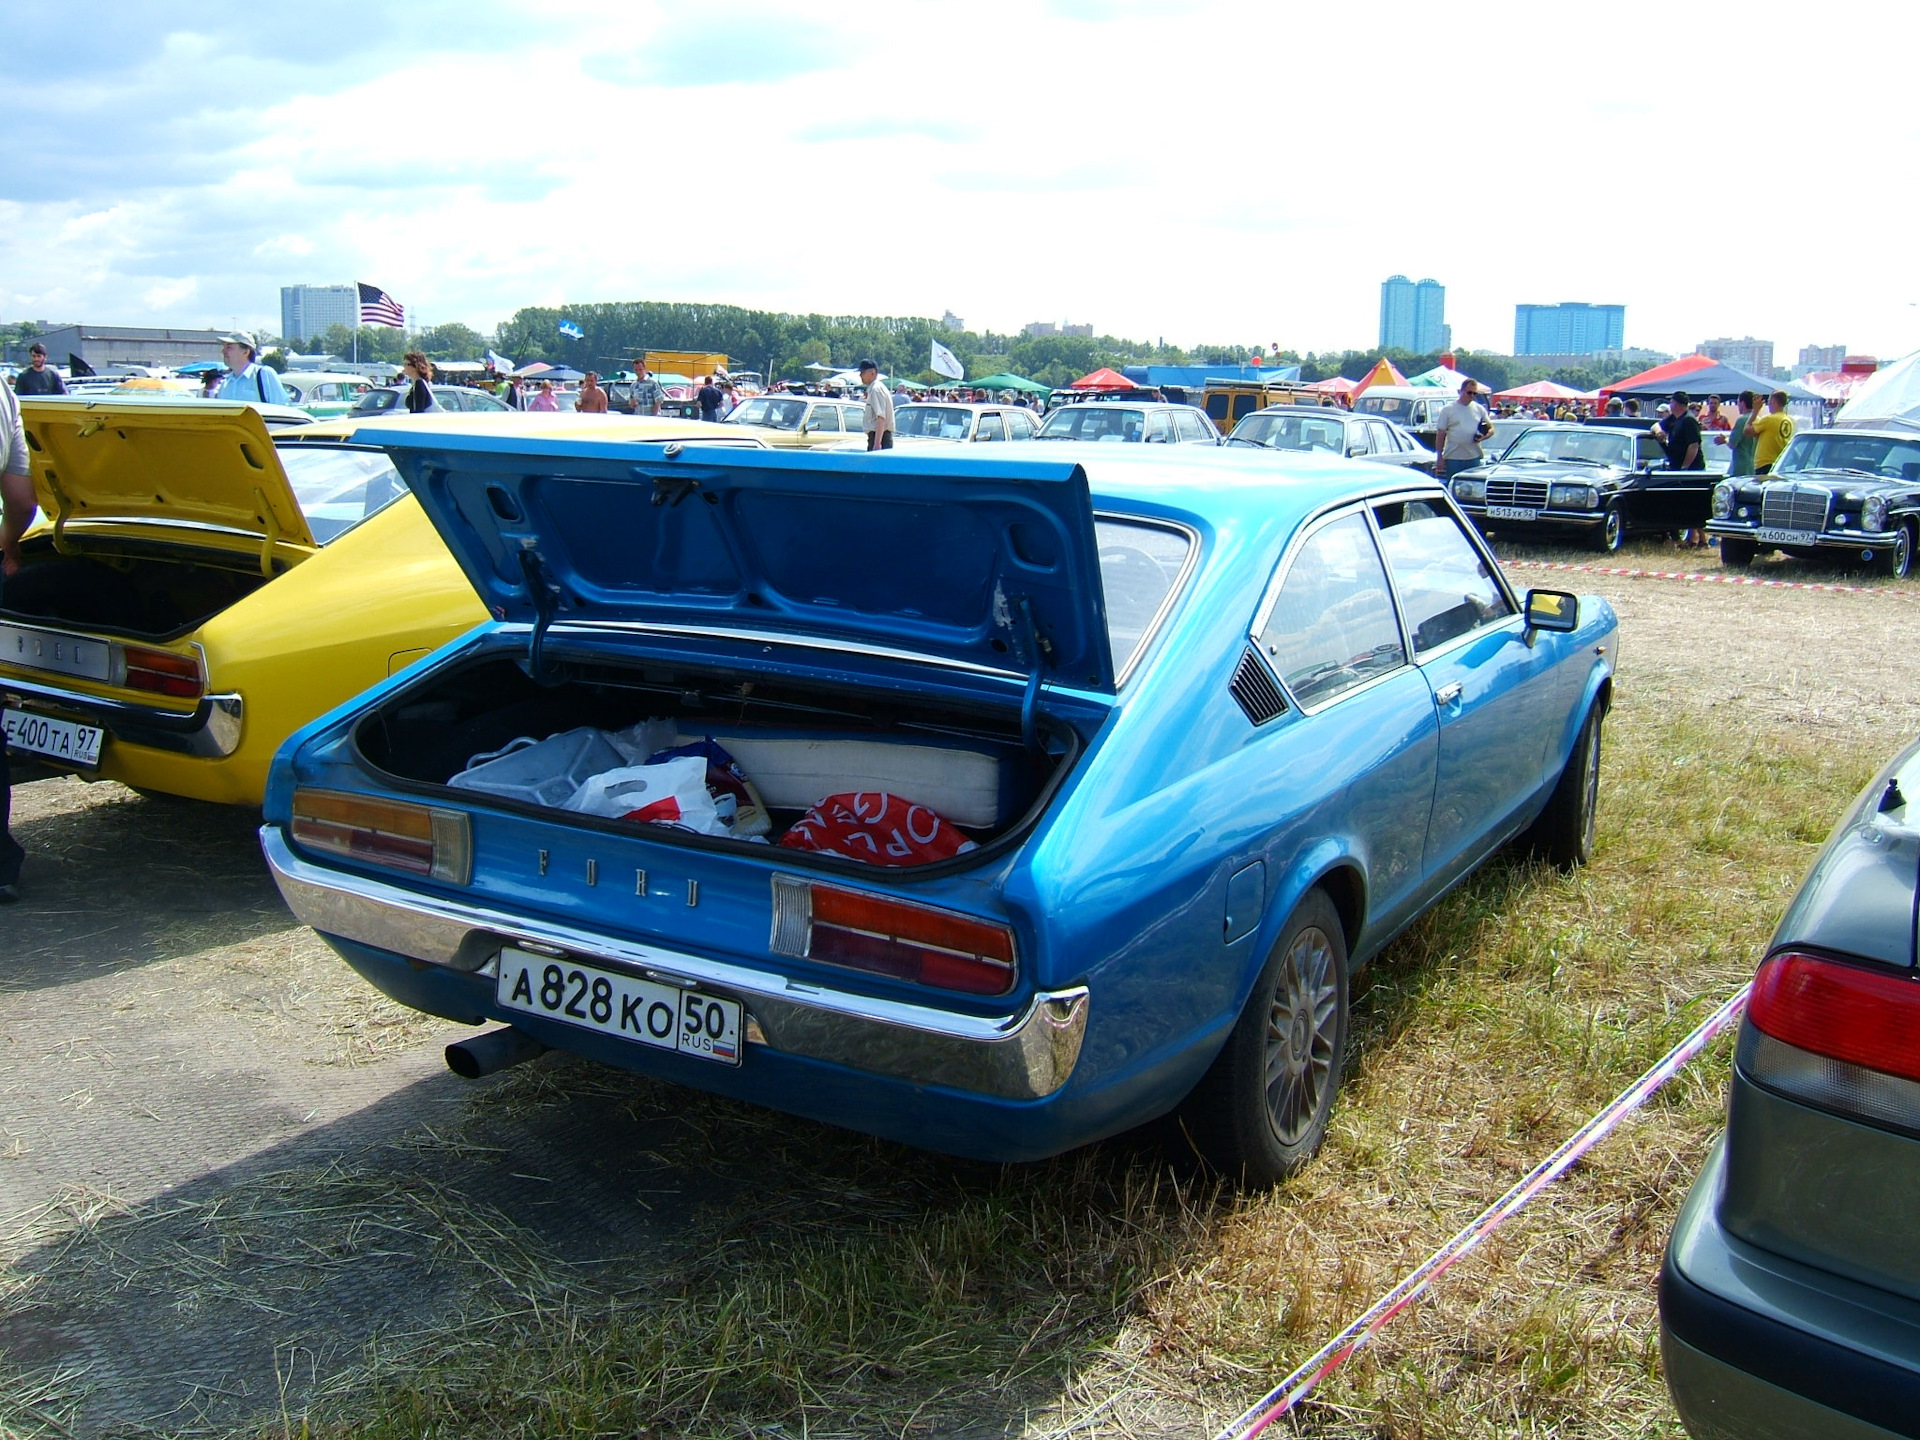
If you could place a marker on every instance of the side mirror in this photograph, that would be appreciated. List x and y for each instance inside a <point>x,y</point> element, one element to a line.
<point>1353,450</point>
<point>1554,610</point>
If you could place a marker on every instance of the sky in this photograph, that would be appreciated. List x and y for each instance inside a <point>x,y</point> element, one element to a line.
<point>1195,172</point>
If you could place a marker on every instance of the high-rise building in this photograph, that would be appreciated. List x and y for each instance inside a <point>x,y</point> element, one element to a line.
<point>1413,317</point>
<point>307,310</point>
<point>1820,359</point>
<point>1570,328</point>
<point>1748,354</point>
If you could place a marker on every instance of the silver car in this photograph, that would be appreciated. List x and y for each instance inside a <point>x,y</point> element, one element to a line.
<point>1148,422</point>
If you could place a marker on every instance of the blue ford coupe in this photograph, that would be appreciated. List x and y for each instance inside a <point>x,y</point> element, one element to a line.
<point>993,801</point>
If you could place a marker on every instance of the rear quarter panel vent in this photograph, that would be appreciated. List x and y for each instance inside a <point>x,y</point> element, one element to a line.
<point>1254,690</point>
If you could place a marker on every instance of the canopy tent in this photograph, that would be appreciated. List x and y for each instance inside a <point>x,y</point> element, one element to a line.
<point>1007,381</point>
<point>536,367</point>
<point>1103,379</point>
<point>1442,377</point>
<point>911,385</point>
<point>1542,390</point>
<point>564,372</point>
<point>1664,374</point>
<point>1713,378</point>
<point>1333,385</point>
<point>1889,396</point>
<point>1839,386</point>
<point>457,367</point>
<point>1381,374</point>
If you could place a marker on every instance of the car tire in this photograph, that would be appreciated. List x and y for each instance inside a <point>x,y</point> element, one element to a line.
<point>1608,537</point>
<point>1737,553</point>
<point>1898,561</point>
<point>1563,835</point>
<point>1261,1110</point>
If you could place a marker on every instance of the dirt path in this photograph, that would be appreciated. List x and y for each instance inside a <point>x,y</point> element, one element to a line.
<point>225,1163</point>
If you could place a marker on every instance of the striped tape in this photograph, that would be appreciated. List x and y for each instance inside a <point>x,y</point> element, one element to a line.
<point>1342,1347</point>
<point>1704,577</point>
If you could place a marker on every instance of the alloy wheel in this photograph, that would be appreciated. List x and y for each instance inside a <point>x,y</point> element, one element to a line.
<point>1302,1024</point>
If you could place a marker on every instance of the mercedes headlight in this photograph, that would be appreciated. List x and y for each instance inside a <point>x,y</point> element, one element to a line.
<point>1722,500</point>
<point>1873,514</point>
<point>1470,492</point>
<point>1573,497</point>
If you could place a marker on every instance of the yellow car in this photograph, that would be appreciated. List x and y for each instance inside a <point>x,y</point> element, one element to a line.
<point>789,421</point>
<point>197,590</point>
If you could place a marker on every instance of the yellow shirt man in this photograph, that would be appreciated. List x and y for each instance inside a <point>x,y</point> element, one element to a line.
<point>1771,432</point>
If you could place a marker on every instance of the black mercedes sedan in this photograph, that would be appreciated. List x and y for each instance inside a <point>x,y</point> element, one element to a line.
<point>1844,494</point>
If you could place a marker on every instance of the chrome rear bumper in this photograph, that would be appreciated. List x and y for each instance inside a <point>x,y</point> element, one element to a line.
<point>1024,1056</point>
<point>210,731</point>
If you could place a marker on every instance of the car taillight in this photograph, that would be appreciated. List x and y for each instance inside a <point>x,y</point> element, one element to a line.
<point>163,673</point>
<point>917,943</point>
<point>1842,1036</point>
<point>420,839</point>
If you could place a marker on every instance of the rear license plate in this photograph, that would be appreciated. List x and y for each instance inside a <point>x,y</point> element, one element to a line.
<point>1787,537</point>
<point>663,1016</point>
<point>62,740</point>
<point>1511,512</point>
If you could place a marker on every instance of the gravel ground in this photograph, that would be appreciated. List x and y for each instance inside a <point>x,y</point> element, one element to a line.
<point>227,1166</point>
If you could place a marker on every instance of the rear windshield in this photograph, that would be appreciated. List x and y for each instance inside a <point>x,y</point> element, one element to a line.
<point>338,486</point>
<point>932,422</point>
<point>1139,565</point>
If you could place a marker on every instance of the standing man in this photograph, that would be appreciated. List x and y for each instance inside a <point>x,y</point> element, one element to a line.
<point>709,397</point>
<point>879,412</point>
<point>593,400</point>
<point>247,378</point>
<point>510,393</point>
<point>646,390</point>
<point>1458,433</point>
<point>39,378</point>
<point>16,514</point>
<point>1771,432</point>
<point>1679,435</point>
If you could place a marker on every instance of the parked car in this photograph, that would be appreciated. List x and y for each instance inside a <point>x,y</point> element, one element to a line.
<point>1315,429</point>
<point>1134,804</point>
<point>197,590</point>
<point>1506,430</point>
<point>961,424</point>
<point>1597,482</point>
<point>790,421</point>
<point>1841,494</point>
<point>1414,408</point>
<point>1790,1294</point>
<point>323,395</point>
<point>391,399</point>
<point>1149,423</point>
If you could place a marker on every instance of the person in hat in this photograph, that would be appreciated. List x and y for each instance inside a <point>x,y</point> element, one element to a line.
<point>879,410</point>
<point>1679,434</point>
<point>247,378</point>
<point>39,378</point>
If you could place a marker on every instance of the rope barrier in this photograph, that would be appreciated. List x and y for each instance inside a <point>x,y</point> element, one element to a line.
<point>1342,1347</point>
<point>1704,577</point>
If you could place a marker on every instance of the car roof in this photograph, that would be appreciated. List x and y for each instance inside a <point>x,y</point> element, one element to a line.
<point>1221,486</point>
<point>1337,412</point>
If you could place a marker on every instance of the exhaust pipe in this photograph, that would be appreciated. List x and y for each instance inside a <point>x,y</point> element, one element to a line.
<point>495,1050</point>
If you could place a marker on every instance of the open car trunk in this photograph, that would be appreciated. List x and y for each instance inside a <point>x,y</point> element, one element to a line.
<point>795,744</point>
<point>132,590</point>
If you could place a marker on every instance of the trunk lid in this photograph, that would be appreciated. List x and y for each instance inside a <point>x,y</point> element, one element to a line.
<point>989,562</point>
<point>173,462</point>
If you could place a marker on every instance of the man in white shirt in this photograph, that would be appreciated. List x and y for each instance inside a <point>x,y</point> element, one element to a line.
<point>1461,428</point>
<point>879,417</point>
<point>247,378</point>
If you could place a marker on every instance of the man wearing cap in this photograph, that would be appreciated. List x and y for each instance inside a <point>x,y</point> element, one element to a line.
<point>17,505</point>
<point>879,414</point>
<point>247,378</point>
<point>1679,434</point>
<point>39,378</point>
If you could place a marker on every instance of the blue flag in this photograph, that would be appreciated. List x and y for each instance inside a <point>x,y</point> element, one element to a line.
<point>572,331</point>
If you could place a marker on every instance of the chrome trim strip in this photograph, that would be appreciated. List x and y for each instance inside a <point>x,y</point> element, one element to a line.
<point>1023,1056</point>
<point>759,637</point>
<point>210,731</point>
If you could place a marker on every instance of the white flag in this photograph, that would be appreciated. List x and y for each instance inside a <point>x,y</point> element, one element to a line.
<point>945,362</point>
<point>499,362</point>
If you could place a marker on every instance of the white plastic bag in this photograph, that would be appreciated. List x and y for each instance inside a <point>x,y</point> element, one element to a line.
<point>672,793</point>
<point>638,743</point>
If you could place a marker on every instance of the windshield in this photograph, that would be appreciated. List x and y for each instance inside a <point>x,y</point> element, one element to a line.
<point>932,422</point>
<point>775,414</point>
<point>1138,565</point>
<point>338,486</point>
<point>1877,455</point>
<point>1094,422</point>
<point>1601,447</point>
<point>1326,434</point>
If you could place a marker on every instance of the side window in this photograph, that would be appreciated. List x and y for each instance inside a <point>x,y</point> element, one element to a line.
<point>1191,427</point>
<point>1445,586</point>
<point>1357,442</point>
<point>1384,440</point>
<point>822,419</point>
<point>991,427</point>
<point>1019,425</point>
<point>1159,431</point>
<point>1332,625</point>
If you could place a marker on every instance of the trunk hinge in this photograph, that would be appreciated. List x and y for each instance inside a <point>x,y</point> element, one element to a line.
<point>544,591</point>
<point>1039,652</point>
<point>270,531</point>
<point>62,511</point>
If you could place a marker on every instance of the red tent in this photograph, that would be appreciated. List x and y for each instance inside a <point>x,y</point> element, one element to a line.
<point>1103,379</point>
<point>1661,374</point>
<point>1382,374</point>
<point>1337,385</point>
<point>1541,390</point>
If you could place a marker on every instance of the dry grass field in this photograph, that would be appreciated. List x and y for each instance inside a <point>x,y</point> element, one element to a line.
<point>834,1286</point>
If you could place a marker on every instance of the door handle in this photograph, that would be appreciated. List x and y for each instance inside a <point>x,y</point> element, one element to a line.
<point>1448,694</point>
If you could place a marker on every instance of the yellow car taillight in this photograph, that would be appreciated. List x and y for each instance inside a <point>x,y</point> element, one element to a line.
<point>163,673</point>
<point>420,839</point>
<point>864,931</point>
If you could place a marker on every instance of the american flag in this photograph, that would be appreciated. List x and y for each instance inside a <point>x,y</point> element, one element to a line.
<point>379,308</point>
